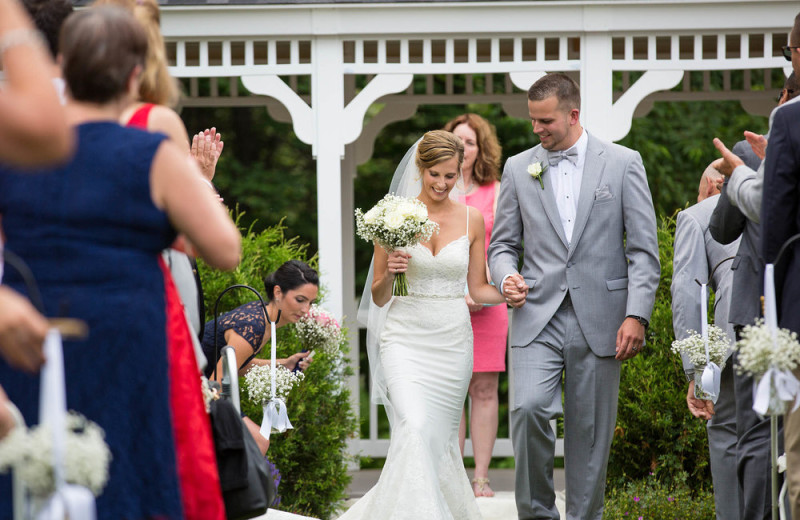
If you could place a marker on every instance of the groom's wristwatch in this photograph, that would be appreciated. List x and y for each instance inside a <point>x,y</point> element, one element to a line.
<point>641,320</point>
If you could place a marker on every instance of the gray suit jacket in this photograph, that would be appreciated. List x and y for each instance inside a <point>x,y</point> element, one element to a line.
<point>696,254</point>
<point>610,268</point>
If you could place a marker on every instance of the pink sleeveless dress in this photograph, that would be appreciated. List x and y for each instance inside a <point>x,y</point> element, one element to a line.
<point>490,324</point>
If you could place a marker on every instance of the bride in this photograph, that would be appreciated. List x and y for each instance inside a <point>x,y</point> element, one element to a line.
<point>420,345</point>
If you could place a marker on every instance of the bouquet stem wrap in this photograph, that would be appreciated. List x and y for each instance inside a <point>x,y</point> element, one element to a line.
<point>400,285</point>
<point>68,501</point>
<point>275,416</point>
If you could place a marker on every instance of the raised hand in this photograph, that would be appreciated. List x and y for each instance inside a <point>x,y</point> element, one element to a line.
<point>757,142</point>
<point>729,160</point>
<point>206,148</point>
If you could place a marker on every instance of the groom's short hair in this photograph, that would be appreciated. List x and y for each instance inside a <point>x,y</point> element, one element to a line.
<point>560,85</point>
<point>794,35</point>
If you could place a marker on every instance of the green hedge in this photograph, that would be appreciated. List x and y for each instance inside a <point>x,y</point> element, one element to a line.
<point>655,432</point>
<point>312,457</point>
<point>651,499</point>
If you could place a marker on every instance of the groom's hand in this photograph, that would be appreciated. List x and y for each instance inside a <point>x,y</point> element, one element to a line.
<point>630,338</point>
<point>515,290</point>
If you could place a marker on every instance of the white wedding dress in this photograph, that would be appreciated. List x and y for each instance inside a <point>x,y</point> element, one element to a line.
<point>426,353</point>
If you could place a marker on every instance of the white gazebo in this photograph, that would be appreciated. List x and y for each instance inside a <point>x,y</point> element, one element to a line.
<point>322,65</point>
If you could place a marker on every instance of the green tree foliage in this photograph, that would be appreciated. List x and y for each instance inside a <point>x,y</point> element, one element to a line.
<point>311,457</point>
<point>675,141</point>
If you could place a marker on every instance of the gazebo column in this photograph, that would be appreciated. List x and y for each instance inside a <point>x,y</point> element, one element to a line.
<point>327,102</point>
<point>596,84</point>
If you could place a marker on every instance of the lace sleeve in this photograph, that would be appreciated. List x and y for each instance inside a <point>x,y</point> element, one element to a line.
<point>247,321</point>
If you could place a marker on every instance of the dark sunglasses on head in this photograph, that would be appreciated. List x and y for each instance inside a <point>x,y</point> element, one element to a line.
<point>787,51</point>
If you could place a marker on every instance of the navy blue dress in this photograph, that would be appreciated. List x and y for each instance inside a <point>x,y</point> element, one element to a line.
<point>247,320</point>
<point>92,237</point>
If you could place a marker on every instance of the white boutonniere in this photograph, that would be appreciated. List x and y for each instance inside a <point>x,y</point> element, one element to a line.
<point>536,170</point>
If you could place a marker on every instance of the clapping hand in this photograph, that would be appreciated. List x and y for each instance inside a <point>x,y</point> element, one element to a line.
<point>758,143</point>
<point>206,148</point>
<point>729,160</point>
<point>515,290</point>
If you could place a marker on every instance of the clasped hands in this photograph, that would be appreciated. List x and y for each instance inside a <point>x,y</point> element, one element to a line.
<point>515,290</point>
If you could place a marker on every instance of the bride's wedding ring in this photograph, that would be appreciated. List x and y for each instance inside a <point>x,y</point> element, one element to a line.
<point>635,349</point>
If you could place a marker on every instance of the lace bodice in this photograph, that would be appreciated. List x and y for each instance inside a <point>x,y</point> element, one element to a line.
<point>440,276</point>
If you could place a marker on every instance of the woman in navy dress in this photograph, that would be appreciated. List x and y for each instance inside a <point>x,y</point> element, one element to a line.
<point>92,231</point>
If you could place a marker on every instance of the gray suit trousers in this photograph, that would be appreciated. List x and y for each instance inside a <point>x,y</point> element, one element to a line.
<point>722,448</point>
<point>591,389</point>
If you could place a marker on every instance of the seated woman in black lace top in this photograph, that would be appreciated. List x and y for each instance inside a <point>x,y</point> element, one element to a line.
<point>291,289</point>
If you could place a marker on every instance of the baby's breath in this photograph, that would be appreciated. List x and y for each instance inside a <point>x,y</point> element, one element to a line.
<point>319,330</point>
<point>694,347</point>
<point>757,353</point>
<point>30,454</point>
<point>259,378</point>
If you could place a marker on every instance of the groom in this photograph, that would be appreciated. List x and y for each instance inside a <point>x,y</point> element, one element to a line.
<point>583,297</point>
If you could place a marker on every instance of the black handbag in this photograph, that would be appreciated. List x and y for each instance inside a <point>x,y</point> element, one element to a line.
<point>247,486</point>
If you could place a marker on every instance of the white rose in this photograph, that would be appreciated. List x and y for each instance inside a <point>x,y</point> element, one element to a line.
<point>535,169</point>
<point>406,208</point>
<point>371,216</point>
<point>394,220</point>
<point>420,212</point>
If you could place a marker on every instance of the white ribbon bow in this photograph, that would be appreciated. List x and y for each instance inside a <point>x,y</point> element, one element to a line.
<point>784,384</point>
<point>712,373</point>
<point>781,382</point>
<point>68,501</point>
<point>275,416</point>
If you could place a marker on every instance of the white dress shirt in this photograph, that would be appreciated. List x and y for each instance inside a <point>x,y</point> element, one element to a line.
<point>565,180</point>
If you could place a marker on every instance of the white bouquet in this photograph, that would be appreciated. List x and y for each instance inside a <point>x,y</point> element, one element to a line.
<point>757,354</point>
<point>767,360</point>
<point>706,382</point>
<point>259,382</point>
<point>694,347</point>
<point>319,330</point>
<point>30,454</point>
<point>396,222</point>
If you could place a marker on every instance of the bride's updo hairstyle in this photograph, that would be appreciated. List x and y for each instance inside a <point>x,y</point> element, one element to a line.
<point>438,146</point>
<point>290,276</point>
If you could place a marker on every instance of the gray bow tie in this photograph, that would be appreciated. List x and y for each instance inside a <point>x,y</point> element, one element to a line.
<point>556,157</point>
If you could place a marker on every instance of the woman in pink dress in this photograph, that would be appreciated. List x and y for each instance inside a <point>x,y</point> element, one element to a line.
<point>481,174</point>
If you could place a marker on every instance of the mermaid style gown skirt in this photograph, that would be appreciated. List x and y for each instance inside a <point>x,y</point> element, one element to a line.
<point>426,353</point>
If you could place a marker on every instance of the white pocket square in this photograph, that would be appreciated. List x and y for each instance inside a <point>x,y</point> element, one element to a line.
<point>603,194</point>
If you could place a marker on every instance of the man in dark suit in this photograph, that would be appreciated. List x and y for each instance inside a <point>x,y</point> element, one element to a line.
<point>780,220</point>
<point>744,189</point>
